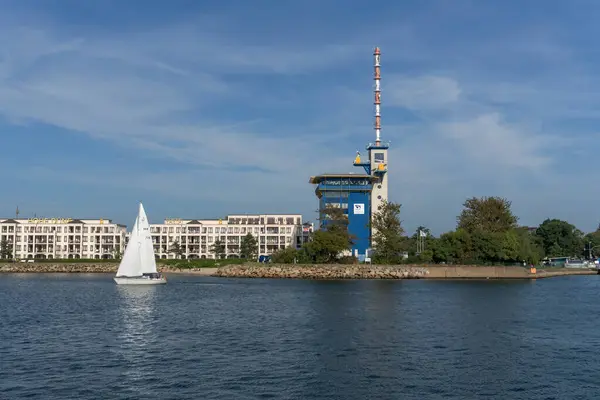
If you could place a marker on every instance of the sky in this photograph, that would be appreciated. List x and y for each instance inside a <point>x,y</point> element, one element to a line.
<point>206,108</point>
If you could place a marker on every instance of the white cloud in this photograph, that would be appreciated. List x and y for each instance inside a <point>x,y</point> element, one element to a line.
<point>490,141</point>
<point>421,92</point>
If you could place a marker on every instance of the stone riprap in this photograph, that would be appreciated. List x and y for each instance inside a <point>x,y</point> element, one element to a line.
<point>19,267</point>
<point>325,271</point>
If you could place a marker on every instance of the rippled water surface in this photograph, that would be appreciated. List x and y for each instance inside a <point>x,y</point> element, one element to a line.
<point>83,337</point>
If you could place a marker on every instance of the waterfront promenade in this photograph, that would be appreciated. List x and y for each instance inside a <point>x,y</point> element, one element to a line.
<point>323,271</point>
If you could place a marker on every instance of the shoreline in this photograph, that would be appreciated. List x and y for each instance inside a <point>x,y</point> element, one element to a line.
<point>88,268</point>
<point>393,272</point>
<point>319,271</point>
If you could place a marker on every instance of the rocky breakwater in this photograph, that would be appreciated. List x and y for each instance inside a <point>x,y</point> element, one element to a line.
<point>59,267</point>
<point>325,271</point>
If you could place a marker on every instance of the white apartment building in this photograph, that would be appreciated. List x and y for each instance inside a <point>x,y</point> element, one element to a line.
<point>196,237</point>
<point>63,237</point>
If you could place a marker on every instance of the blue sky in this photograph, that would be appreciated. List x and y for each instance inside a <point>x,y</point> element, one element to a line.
<point>203,108</point>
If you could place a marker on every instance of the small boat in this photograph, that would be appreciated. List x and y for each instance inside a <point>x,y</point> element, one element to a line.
<point>138,265</point>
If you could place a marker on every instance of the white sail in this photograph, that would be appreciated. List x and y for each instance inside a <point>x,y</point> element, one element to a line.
<point>131,263</point>
<point>146,249</point>
<point>138,266</point>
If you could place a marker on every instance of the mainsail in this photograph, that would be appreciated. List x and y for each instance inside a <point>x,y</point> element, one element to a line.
<point>146,249</point>
<point>138,257</point>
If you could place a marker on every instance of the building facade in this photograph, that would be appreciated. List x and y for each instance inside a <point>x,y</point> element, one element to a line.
<point>196,237</point>
<point>351,193</point>
<point>47,238</point>
<point>62,238</point>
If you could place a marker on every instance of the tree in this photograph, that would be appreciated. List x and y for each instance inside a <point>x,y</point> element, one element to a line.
<point>176,249</point>
<point>117,253</point>
<point>285,256</point>
<point>530,247</point>
<point>337,223</point>
<point>560,238</point>
<point>6,250</point>
<point>218,249</point>
<point>453,247</point>
<point>486,214</point>
<point>326,245</point>
<point>388,240</point>
<point>488,247</point>
<point>248,247</point>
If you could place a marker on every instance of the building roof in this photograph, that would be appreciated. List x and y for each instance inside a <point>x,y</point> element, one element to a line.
<point>318,178</point>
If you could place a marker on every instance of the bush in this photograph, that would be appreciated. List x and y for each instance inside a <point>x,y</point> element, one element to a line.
<point>347,260</point>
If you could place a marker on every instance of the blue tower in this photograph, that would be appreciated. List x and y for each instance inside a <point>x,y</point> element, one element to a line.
<point>359,195</point>
<point>351,193</point>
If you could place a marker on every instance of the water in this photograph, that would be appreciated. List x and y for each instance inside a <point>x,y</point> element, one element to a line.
<point>83,337</point>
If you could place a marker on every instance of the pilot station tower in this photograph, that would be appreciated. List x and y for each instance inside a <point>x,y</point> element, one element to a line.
<point>359,195</point>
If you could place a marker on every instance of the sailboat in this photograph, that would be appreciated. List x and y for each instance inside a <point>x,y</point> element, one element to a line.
<point>138,265</point>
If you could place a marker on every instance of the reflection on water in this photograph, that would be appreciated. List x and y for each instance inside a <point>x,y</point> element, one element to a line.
<point>137,338</point>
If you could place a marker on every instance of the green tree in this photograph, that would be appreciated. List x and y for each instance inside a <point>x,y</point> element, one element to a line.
<point>6,250</point>
<point>388,240</point>
<point>486,214</point>
<point>487,247</point>
<point>530,247</point>
<point>592,244</point>
<point>218,249</point>
<point>285,256</point>
<point>177,250</point>
<point>326,245</point>
<point>453,247</point>
<point>249,247</point>
<point>337,223</point>
<point>560,238</point>
<point>117,253</point>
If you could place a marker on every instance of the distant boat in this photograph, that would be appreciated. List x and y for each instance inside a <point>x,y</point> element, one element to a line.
<point>138,266</point>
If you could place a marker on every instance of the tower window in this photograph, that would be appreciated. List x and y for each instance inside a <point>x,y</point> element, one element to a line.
<point>379,157</point>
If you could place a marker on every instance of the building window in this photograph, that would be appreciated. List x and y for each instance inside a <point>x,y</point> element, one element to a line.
<point>379,157</point>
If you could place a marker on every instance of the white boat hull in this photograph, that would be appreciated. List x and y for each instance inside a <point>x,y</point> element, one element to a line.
<point>121,280</point>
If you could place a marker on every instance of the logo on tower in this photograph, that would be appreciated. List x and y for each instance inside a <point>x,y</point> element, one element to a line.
<point>359,209</point>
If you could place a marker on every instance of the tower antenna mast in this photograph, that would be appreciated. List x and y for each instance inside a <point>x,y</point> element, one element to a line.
<point>377,78</point>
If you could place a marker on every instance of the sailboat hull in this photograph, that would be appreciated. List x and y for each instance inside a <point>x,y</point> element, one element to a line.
<point>142,280</point>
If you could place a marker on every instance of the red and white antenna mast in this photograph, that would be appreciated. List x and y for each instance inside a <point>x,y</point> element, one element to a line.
<point>377,77</point>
